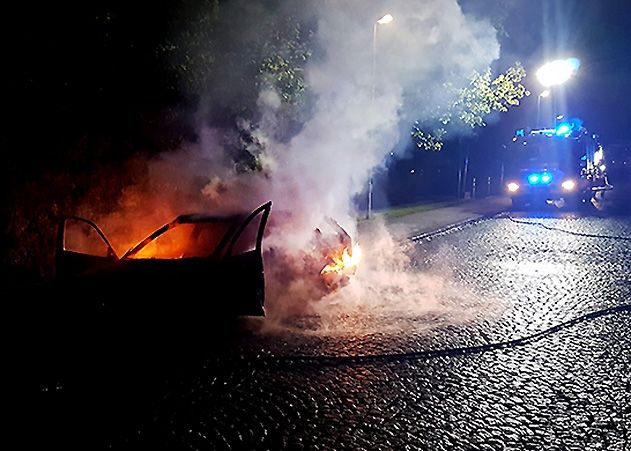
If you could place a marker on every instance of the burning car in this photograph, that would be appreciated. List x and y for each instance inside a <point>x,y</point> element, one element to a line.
<point>197,265</point>
<point>308,263</point>
<point>339,255</point>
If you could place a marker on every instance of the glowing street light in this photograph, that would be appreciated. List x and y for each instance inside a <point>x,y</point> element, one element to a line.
<point>386,19</point>
<point>557,72</point>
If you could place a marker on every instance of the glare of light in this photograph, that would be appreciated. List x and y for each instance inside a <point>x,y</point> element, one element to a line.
<point>563,130</point>
<point>568,185</point>
<point>533,179</point>
<point>512,187</point>
<point>385,19</point>
<point>357,254</point>
<point>412,171</point>
<point>344,263</point>
<point>545,178</point>
<point>545,93</point>
<point>598,156</point>
<point>603,167</point>
<point>537,268</point>
<point>557,72</point>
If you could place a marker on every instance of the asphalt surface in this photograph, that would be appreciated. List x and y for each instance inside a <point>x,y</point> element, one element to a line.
<point>495,279</point>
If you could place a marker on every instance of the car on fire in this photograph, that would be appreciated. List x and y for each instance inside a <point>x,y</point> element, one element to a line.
<point>323,265</point>
<point>196,265</point>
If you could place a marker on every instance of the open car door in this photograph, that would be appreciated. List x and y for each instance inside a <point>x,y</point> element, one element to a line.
<point>195,265</point>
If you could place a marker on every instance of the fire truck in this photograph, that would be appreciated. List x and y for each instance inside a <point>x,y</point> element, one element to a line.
<point>562,166</point>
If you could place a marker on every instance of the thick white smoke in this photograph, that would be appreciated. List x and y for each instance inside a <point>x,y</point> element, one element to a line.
<point>430,43</point>
<point>357,118</point>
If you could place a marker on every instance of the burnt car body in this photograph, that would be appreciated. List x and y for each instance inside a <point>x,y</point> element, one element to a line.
<point>322,265</point>
<point>195,267</point>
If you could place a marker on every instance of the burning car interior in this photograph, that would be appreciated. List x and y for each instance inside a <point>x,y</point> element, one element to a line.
<point>195,265</point>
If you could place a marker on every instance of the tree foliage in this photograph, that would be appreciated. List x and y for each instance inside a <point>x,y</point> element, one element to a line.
<point>191,53</point>
<point>224,57</point>
<point>284,55</point>
<point>228,59</point>
<point>214,58</point>
<point>482,96</point>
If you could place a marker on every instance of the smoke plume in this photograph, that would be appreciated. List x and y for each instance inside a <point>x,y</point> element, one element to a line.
<point>358,115</point>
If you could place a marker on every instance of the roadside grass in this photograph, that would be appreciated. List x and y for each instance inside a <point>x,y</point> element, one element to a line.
<point>405,210</point>
<point>409,210</point>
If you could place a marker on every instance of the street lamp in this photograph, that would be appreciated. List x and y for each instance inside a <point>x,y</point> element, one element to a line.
<point>555,73</point>
<point>386,19</point>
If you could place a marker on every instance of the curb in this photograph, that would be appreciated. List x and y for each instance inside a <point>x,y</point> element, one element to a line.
<point>452,227</point>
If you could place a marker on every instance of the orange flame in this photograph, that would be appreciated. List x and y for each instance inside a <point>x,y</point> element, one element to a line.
<point>171,245</point>
<point>343,261</point>
<point>185,241</point>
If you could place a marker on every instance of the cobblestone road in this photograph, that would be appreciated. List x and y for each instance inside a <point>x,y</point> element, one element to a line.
<point>485,282</point>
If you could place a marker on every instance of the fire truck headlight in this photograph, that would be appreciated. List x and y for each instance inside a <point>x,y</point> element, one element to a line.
<point>512,187</point>
<point>568,185</point>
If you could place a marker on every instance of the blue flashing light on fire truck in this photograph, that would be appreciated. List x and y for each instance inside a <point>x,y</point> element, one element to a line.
<point>562,166</point>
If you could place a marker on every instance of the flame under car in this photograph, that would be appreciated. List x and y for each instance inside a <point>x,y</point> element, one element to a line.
<point>325,264</point>
<point>196,265</point>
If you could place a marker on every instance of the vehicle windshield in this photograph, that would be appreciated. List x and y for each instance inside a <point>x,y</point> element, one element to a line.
<point>547,153</point>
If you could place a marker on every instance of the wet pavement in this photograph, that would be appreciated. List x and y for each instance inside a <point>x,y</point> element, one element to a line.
<point>483,282</point>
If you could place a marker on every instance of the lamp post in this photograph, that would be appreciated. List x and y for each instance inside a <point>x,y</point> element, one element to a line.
<point>545,93</point>
<point>386,19</point>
